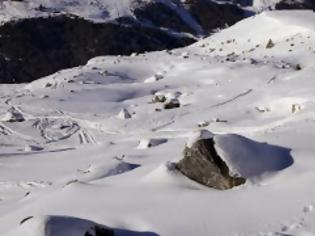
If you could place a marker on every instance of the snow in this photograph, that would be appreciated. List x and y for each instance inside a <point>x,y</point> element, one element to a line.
<point>94,10</point>
<point>90,168</point>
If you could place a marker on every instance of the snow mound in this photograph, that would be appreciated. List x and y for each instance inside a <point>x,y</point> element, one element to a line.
<point>96,172</point>
<point>250,159</point>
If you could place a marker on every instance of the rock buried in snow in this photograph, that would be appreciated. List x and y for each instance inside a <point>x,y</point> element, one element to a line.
<point>154,78</point>
<point>124,114</point>
<point>148,143</point>
<point>171,104</point>
<point>33,148</point>
<point>61,226</point>
<point>202,163</point>
<point>270,44</point>
<point>158,98</point>
<point>13,115</point>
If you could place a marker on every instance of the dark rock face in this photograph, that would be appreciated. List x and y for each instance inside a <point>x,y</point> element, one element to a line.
<point>33,48</point>
<point>211,15</point>
<point>202,164</point>
<point>208,14</point>
<point>159,15</point>
<point>291,4</point>
<point>99,231</point>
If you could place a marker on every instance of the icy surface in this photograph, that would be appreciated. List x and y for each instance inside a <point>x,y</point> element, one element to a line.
<point>259,102</point>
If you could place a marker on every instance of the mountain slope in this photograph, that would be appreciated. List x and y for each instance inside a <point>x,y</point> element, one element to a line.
<point>41,37</point>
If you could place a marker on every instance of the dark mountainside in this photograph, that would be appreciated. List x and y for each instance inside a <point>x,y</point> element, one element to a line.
<point>37,47</point>
<point>34,48</point>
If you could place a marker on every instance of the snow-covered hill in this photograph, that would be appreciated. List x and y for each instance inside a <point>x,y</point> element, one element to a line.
<point>90,146</point>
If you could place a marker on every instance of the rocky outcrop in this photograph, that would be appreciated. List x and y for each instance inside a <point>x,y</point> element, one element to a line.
<point>202,164</point>
<point>204,16</point>
<point>211,15</point>
<point>13,115</point>
<point>159,15</point>
<point>289,4</point>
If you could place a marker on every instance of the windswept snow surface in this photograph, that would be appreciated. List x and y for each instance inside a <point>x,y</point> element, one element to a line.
<point>258,103</point>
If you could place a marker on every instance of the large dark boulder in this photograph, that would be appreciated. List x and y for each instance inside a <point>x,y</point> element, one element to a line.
<point>202,164</point>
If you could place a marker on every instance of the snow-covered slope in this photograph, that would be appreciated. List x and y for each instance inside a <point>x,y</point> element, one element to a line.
<point>95,10</point>
<point>90,143</point>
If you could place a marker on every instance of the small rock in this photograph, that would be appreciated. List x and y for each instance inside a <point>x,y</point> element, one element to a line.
<point>296,108</point>
<point>48,85</point>
<point>158,98</point>
<point>270,44</point>
<point>154,78</point>
<point>13,115</point>
<point>99,231</point>
<point>171,104</point>
<point>148,143</point>
<point>184,55</point>
<point>44,96</point>
<point>298,67</point>
<point>203,124</point>
<point>33,148</point>
<point>124,114</point>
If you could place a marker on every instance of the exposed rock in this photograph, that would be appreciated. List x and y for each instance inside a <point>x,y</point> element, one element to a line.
<point>295,108</point>
<point>158,98</point>
<point>270,44</point>
<point>298,67</point>
<point>13,115</point>
<point>203,124</point>
<point>33,148</point>
<point>148,143</point>
<point>154,78</point>
<point>124,114</point>
<point>202,164</point>
<point>99,231</point>
<point>171,104</point>
<point>160,15</point>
